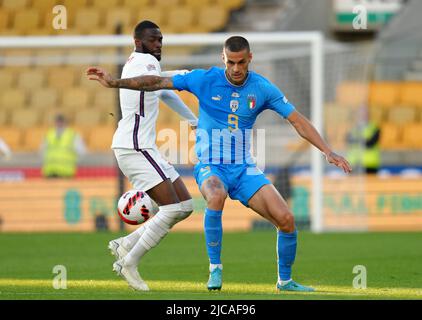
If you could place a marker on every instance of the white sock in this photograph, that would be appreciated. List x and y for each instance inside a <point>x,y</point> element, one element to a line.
<point>283,282</point>
<point>156,229</point>
<point>132,238</point>
<point>215,266</point>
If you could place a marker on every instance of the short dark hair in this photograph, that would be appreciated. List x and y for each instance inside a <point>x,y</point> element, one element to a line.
<point>142,26</point>
<point>236,44</point>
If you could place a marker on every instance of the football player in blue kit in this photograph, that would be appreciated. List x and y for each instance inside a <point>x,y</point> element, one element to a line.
<point>230,99</point>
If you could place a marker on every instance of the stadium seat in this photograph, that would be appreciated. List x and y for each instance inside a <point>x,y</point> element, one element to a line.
<point>384,94</point>
<point>99,138</point>
<point>4,118</point>
<point>4,19</point>
<point>45,5</point>
<point>121,16</point>
<point>412,134</point>
<point>153,14</point>
<point>73,6</point>
<point>61,77</point>
<point>31,79</point>
<point>391,135</point>
<point>105,99</point>
<point>24,118</point>
<point>351,94</point>
<point>13,98</point>
<point>105,4</point>
<point>135,5</point>
<point>75,99</point>
<point>44,99</point>
<point>88,118</point>
<point>167,3</point>
<point>231,4</point>
<point>15,4</point>
<point>23,56</point>
<point>7,78</point>
<point>26,21</point>
<point>377,114</point>
<point>87,20</point>
<point>410,94</point>
<point>402,115</point>
<point>33,137</point>
<point>180,19</point>
<point>12,136</point>
<point>212,17</point>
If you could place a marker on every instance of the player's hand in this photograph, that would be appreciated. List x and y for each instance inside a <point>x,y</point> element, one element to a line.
<point>100,75</point>
<point>338,161</point>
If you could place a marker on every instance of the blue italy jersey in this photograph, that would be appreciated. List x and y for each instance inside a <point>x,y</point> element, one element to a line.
<point>228,112</point>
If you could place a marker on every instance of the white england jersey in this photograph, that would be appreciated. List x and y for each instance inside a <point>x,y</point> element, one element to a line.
<point>136,129</point>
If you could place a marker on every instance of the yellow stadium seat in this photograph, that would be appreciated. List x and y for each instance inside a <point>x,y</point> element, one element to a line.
<point>377,114</point>
<point>12,99</point>
<point>4,19</point>
<point>45,5</point>
<point>88,118</point>
<point>166,3</point>
<point>412,136</point>
<point>121,16</point>
<point>4,118</point>
<point>33,138</point>
<point>198,3</point>
<point>73,6</point>
<point>31,79</point>
<point>26,21</point>
<point>391,135</point>
<point>351,94</point>
<point>15,4</point>
<point>12,136</point>
<point>99,138</point>
<point>212,17</point>
<point>7,78</point>
<point>135,4</point>
<point>24,118</point>
<point>23,57</point>
<point>231,4</point>
<point>105,99</point>
<point>384,94</point>
<point>180,18</point>
<point>411,94</point>
<point>44,98</point>
<point>75,99</point>
<point>402,115</point>
<point>105,4</point>
<point>86,20</point>
<point>61,77</point>
<point>153,14</point>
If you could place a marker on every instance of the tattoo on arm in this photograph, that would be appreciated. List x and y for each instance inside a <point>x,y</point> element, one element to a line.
<point>145,83</point>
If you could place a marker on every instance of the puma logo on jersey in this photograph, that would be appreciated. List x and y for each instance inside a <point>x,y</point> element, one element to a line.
<point>217,98</point>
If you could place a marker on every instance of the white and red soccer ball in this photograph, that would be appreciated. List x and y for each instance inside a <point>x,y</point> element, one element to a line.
<point>135,207</point>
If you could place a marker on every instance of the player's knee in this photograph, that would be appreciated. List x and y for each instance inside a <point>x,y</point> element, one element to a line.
<point>216,199</point>
<point>286,222</point>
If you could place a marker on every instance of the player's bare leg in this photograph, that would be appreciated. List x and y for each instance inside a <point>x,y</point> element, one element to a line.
<point>215,194</point>
<point>270,204</point>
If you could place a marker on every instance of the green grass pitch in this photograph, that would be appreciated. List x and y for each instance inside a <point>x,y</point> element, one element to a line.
<point>178,268</point>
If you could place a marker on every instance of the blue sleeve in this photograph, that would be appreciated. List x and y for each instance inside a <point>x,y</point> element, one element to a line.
<point>278,102</point>
<point>190,81</point>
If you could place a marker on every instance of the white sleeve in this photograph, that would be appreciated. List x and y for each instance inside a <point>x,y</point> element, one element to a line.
<point>171,99</point>
<point>172,73</point>
<point>79,145</point>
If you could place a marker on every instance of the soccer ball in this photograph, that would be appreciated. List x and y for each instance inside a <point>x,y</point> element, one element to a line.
<point>135,207</point>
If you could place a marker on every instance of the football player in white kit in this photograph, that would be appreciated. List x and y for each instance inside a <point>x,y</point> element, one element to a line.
<point>139,159</point>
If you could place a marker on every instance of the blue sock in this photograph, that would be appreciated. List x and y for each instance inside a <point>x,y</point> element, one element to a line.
<point>286,253</point>
<point>213,234</point>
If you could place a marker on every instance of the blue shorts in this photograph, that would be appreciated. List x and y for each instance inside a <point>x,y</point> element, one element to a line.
<point>241,181</point>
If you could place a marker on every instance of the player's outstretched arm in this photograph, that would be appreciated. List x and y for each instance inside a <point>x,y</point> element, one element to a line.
<point>307,131</point>
<point>143,83</point>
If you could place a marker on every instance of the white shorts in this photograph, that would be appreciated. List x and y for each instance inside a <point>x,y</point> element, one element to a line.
<point>145,168</point>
